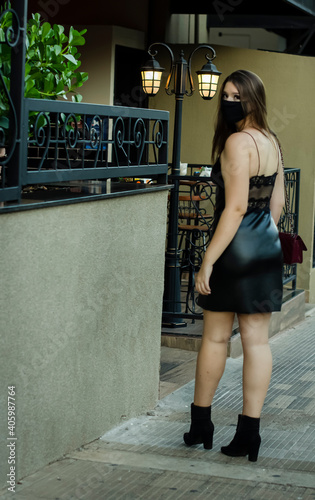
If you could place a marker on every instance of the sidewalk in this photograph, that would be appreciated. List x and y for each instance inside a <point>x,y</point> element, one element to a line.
<point>145,458</point>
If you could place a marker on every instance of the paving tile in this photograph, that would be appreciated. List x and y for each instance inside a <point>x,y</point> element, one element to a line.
<point>282,401</point>
<point>310,375</point>
<point>282,387</point>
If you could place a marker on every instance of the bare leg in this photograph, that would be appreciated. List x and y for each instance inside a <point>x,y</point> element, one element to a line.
<point>257,364</point>
<point>217,329</point>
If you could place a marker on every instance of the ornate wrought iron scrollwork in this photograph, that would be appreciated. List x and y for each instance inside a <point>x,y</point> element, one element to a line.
<point>291,188</point>
<point>139,137</point>
<point>95,132</point>
<point>12,34</point>
<point>119,137</point>
<point>289,222</point>
<point>205,190</point>
<point>8,135</point>
<point>70,130</point>
<point>41,137</point>
<point>84,141</point>
<point>42,133</point>
<point>157,138</point>
<point>196,227</point>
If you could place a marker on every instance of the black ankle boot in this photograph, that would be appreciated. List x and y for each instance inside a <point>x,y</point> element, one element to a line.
<point>246,440</point>
<point>201,428</point>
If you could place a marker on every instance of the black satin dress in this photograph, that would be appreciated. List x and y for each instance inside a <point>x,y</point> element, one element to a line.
<point>247,277</point>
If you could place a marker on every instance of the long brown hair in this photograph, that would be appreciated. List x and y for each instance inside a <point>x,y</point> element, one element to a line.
<point>253,98</point>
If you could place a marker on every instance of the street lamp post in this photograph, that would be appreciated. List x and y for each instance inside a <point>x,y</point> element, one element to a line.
<point>208,78</point>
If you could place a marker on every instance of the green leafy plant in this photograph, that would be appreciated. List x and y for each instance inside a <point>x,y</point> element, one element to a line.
<point>51,66</point>
<point>52,61</point>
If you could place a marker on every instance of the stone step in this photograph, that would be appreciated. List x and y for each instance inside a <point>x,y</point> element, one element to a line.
<point>294,310</point>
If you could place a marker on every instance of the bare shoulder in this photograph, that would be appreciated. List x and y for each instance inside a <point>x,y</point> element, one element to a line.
<point>237,144</point>
<point>235,158</point>
<point>236,138</point>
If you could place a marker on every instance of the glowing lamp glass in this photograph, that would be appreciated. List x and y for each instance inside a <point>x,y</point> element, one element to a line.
<point>151,81</point>
<point>208,79</point>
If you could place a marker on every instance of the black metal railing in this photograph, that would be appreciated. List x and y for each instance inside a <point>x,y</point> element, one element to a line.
<point>87,141</point>
<point>195,222</point>
<point>292,177</point>
<point>56,141</point>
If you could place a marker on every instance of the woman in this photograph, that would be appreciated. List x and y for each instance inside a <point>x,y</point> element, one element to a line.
<point>242,268</point>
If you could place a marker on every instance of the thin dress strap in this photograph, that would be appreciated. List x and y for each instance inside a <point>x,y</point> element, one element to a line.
<point>244,131</point>
<point>279,153</point>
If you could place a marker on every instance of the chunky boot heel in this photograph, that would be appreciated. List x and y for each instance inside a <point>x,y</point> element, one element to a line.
<point>207,439</point>
<point>201,428</point>
<point>253,451</point>
<point>246,440</point>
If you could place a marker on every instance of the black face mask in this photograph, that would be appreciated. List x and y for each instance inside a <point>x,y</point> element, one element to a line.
<point>232,111</point>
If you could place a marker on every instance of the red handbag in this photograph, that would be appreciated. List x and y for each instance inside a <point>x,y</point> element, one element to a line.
<point>291,243</point>
<point>292,248</point>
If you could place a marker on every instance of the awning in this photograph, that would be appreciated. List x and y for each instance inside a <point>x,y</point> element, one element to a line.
<point>236,8</point>
<point>304,5</point>
<point>292,19</point>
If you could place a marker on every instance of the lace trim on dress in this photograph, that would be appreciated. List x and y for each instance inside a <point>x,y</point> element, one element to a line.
<point>261,203</point>
<point>262,180</point>
<point>260,191</point>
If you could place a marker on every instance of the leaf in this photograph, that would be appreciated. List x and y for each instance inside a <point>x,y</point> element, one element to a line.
<point>30,54</point>
<point>85,76</point>
<point>60,87</point>
<point>70,58</point>
<point>57,49</point>
<point>77,98</point>
<point>29,85</point>
<point>2,37</point>
<point>36,17</point>
<point>33,93</point>
<point>4,122</point>
<point>49,83</point>
<point>41,49</point>
<point>45,30</point>
<point>59,67</point>
<point>71,34</point>
<point>41,121</point>
<point>6,81</point>
<point>58,29</point>
<point>3,105</point>
<point>75,37</point>
<point>63,39</point>
<point>48,53</point>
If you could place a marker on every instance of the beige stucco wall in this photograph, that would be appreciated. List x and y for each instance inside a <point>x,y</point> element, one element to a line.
<point>98,59</point>
<point>289,82</point>
<point>80,321</point>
